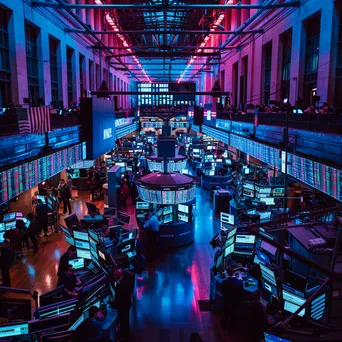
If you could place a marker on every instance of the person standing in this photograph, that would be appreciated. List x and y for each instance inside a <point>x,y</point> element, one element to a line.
<point>124,286</point>
<point>152,235</point>
<point>232,292</point>
<point>32,231</point>
<point>42,211</point>
<point>124,193</point>
<point>6,261</point>
<point>65,196</point>
<point>64,263</point>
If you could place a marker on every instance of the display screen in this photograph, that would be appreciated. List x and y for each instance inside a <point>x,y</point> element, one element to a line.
<point>262,257</point>
<point>227,218</point>
<point>232,232</point>
<point>183,208</point>
<point>10,225</point>
<point>168,197</point>
<point>268,200</point>
<point>9,217</point>
<point>219,261</point>
<point>168,218</point>
<point>292,308</point>
<point>301,168</point>
<point>70,240</point>
<point>168,210</point>
<point>268,274</point>
<point>82,244</point>
<point>93,235</point>
<point>26,176</point>
<point>245,239</point>
<point>142,205</point>
<point>181,196</point>
<point>2,227</point>
<point>274,338</point>
<point>81,235</point>
<point>77,263</point>
<point>83,253</point>
<point>123,218</point>
<point>183,217</point>
<point>268,247</point>
<point>13,330</point>
<point>328,180</point>
<point>229,241</point>
<point>229,250</point>
<point>265,215</point>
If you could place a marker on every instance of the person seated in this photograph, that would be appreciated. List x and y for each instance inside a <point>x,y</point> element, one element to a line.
<point>91,329</point>
<point>69,281</point>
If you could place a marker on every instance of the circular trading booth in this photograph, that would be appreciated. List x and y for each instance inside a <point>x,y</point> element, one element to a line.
<point>175,164</point>
<point>171,196</point>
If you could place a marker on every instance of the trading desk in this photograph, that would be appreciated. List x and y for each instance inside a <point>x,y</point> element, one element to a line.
<point>250,284</point>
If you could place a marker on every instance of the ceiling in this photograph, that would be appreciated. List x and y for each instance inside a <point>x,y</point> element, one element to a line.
<point>162,52</point>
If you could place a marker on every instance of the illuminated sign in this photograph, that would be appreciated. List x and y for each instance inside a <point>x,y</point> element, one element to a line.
<point>107,133</point>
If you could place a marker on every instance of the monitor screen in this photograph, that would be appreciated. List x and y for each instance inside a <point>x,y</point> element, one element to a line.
<point>2,239</point>
<point>70,240</point>
<point>10,225</point>
<point>227,218</point>
<point>219,261</point>
<point>81,235</point>
<point>229,241</point>
<point>93,235</point>
<point>268,200</point>
<point>212,173</point>
<point>229,250</point>
<point>183,208</point>
<point>142,205</point>
<point>124,218</point>
<point>109,211</point>
<point>83,253</point>
<point>274,338</point>
<point>13,330</point>
<point>268,247</point>
<point>183,217</point>
<point>232,233</point>
<point>2,227</point>
<point>292,308</point>
<point>265,191</point>
<point>263,257</point>
<point>245,238</point>
<point>82,244</point>
<point>268,275</point>
<point>65,230</point>
<point>292,298</point>
<point>129,236</point>
<point>168,218</point>
<point>265,215</point>
<point>77,263</point>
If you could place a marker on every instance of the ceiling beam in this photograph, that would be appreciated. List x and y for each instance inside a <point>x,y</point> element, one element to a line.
<point>97,47</point>
<point>161,54</point>
<point>141,32</point>
<point>180,92</point>
<point>167,6</point>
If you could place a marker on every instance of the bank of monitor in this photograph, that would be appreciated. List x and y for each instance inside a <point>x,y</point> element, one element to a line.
<point>11,330</point>
<point>81,235</point>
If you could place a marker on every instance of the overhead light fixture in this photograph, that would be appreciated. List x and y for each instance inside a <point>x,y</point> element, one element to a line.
<point>116,28</point>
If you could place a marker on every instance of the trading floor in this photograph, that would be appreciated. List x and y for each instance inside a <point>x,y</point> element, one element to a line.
<point>178,279</point>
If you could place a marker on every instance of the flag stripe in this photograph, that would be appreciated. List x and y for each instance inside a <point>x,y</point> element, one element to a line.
<point>34,120</point>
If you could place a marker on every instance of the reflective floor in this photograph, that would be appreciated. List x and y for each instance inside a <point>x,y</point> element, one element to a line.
<point>167,292</point>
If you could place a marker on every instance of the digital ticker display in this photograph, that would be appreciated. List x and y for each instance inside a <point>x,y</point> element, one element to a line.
<point>301,168</point>
<point>26,176</point>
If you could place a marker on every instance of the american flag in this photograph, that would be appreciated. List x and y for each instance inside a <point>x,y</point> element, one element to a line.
<point>34,120</point>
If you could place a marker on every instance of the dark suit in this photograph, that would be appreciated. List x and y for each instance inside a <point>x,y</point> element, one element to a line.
<point>63,266</point>
<point>6,261</point>
<point>123,291</point>
<point>42,211</point>
<point>232,291</point>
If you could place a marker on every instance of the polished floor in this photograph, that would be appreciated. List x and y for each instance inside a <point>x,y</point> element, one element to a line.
<point>166,309</point>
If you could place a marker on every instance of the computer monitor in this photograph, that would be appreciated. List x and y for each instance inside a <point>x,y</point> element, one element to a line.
<point>83,253</point>
<point>229,241</point>
<point>265,215</point>
<point>123,218</point>
<point>51,297</point>
<point>168,218</point>
<point>2,227</point>
<point>129,236</point>
<point>2,238</point>
<point>229,250</point>
<point>263,257</point>
<point>142,205</point>
<point>232,233</point>
<point>268,274</point>
<point>81,235</point>
<point>77,263</point>
<point>183,217</point>
<point>219,261</point>
<point>297,111</point>
<point>70,240</point>
<point>49,323</point>
<point>274,338</point>
<point>184,208</point>
<point>71,221</point>
<point>92,209</point>
<point>94,236</point>
<point>292,308</point>
<point>295,281</point>
<point>10,330</point>
<point>109,211</point>
<point>245,239</point>
<point>227,218</point>
<point>82,244</point>
<point>125,248</point>
<point>268,200</point>
<point>268,247</point>
<point>10,225</point>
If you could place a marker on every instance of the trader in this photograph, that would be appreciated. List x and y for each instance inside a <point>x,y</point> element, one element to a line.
<point>42,211</point>
<point>232,292</point>
<point>65,194</point>
<point>124,286</point>
<point>91,329</point>
<point>152,235</point>
<point>6,261</point>
<point>32,231</point>
<point>69,281</point>
<point>64,262</point>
